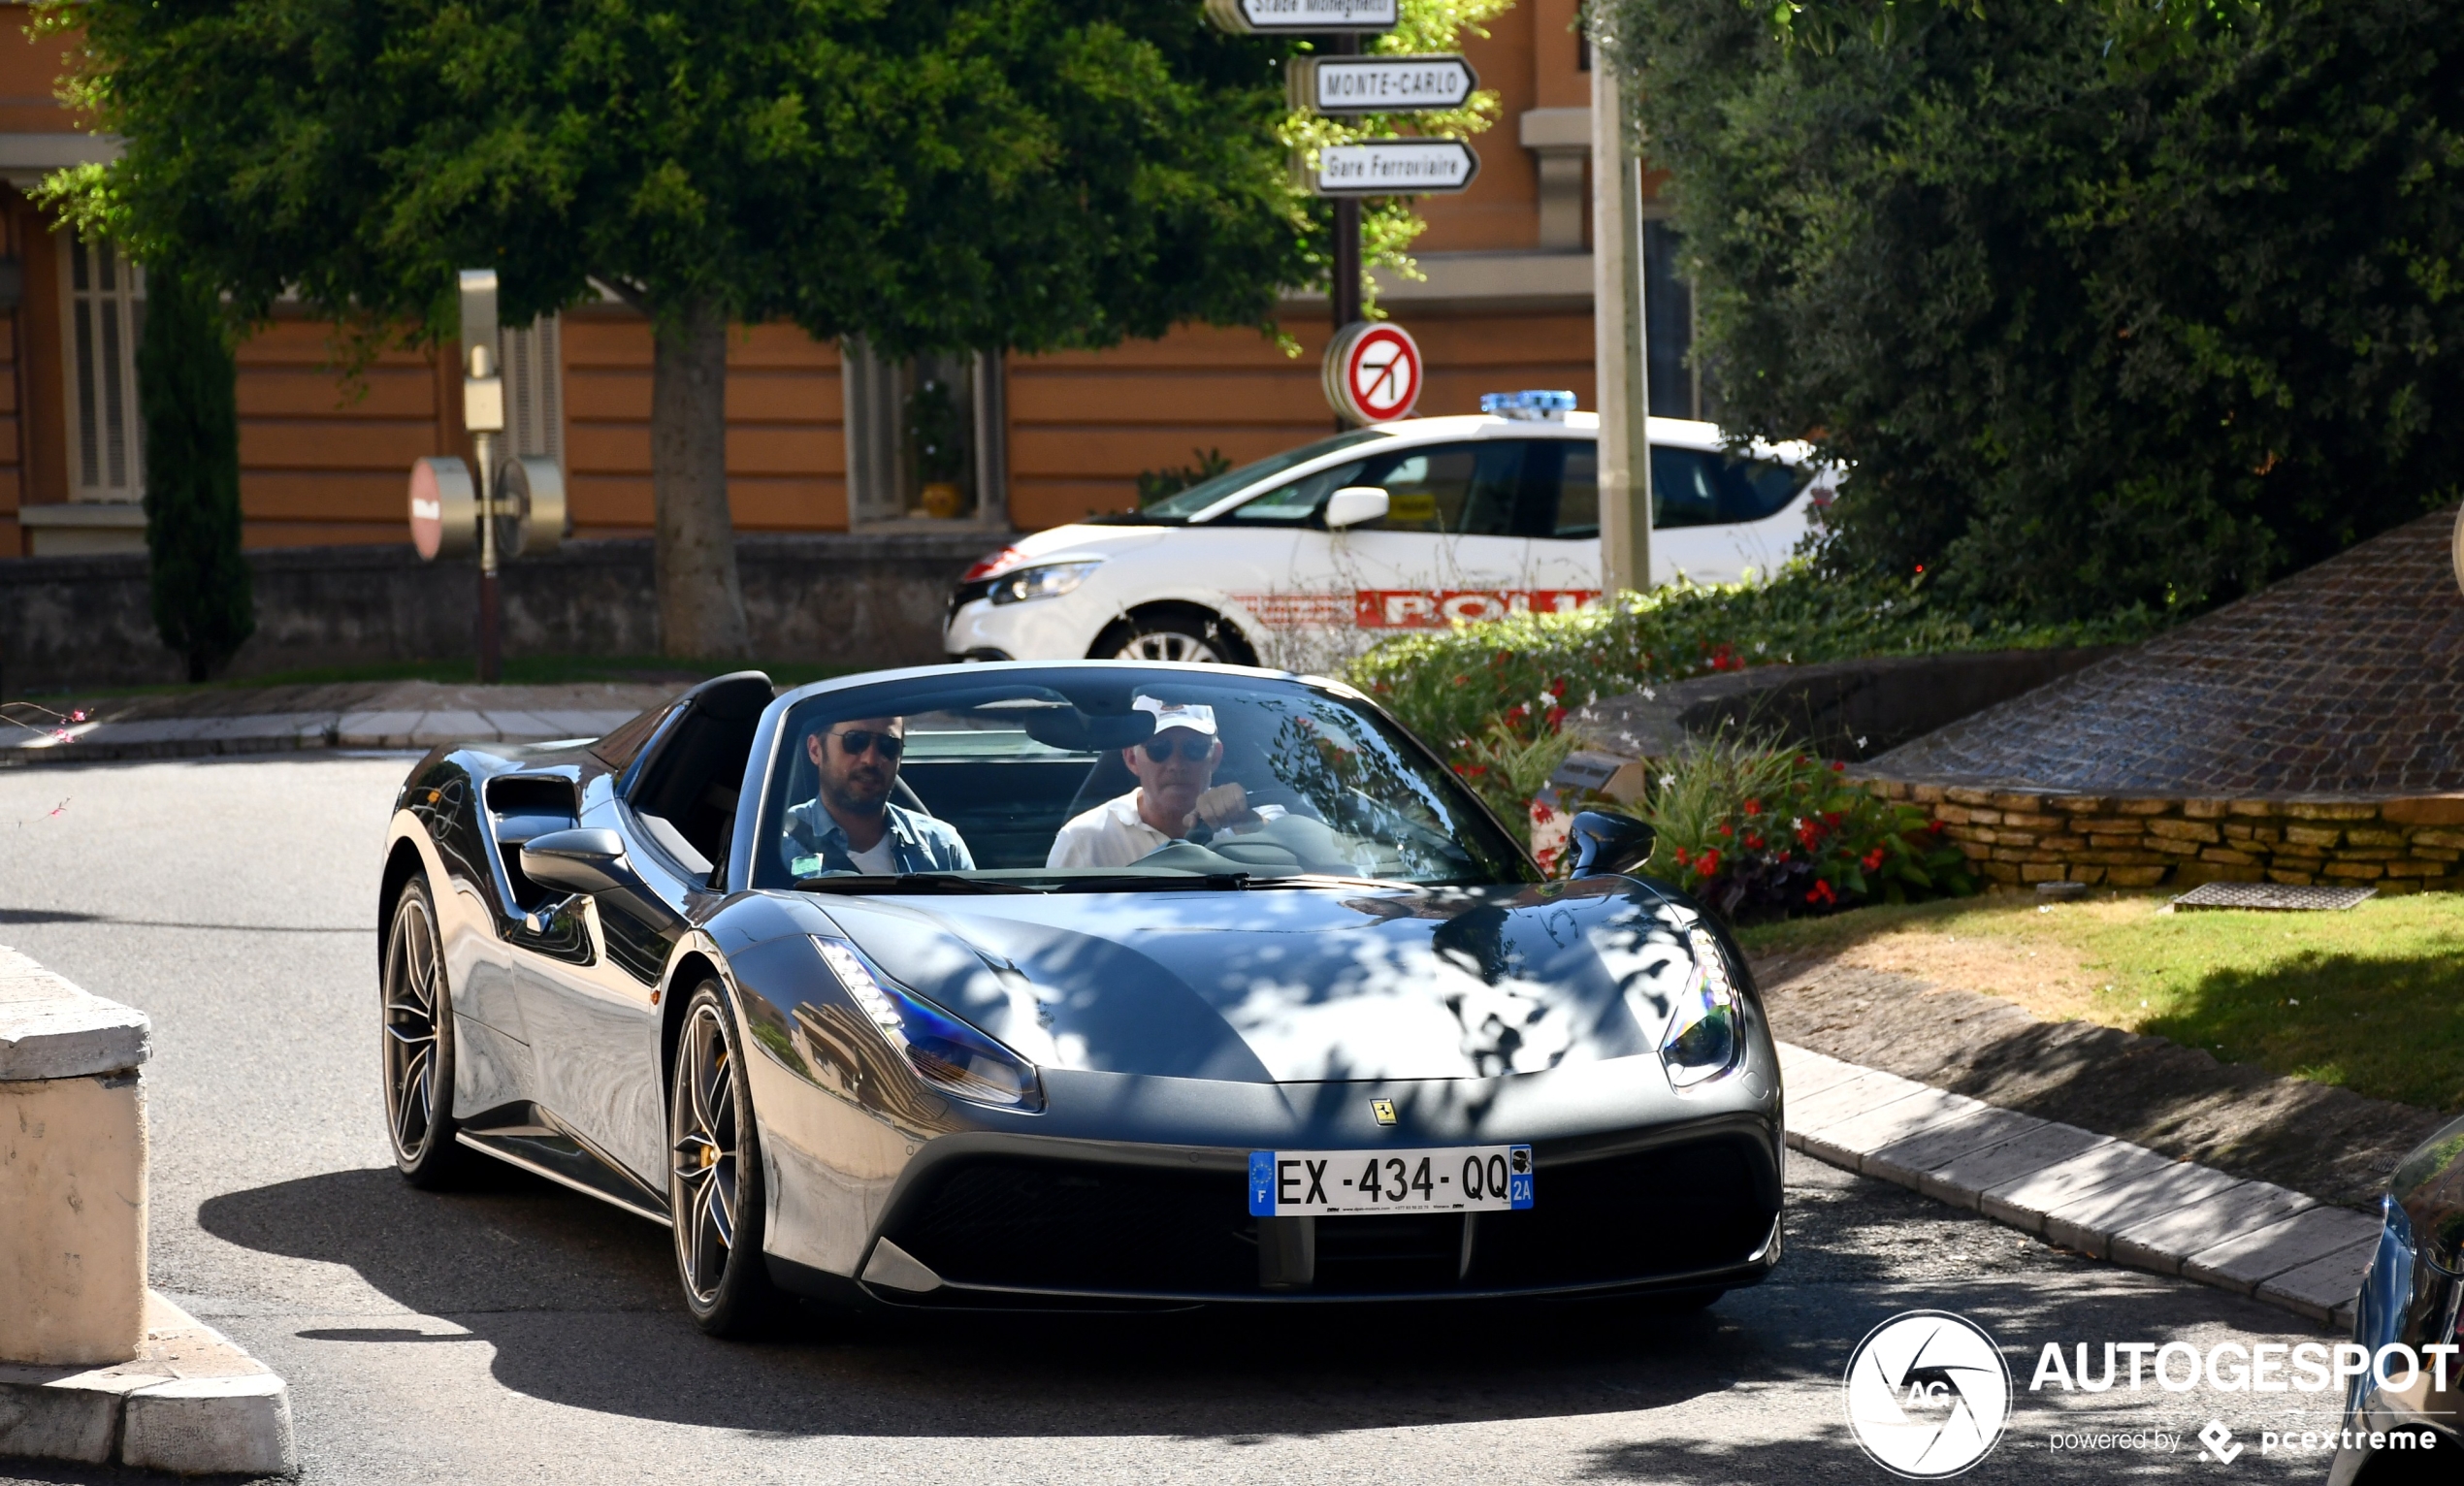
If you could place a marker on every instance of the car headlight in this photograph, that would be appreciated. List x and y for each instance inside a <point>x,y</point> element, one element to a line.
<point>948,1054</point>
<point>1702,1038</point>
<point>1050,581</point>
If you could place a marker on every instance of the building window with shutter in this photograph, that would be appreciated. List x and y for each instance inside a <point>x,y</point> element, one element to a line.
<point>103,297</point>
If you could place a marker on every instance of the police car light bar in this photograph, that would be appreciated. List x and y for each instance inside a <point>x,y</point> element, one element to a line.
<point>1529,407</point>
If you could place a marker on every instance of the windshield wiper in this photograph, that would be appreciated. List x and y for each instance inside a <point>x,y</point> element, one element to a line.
<point>904,882</point>
<point>1196,882</point>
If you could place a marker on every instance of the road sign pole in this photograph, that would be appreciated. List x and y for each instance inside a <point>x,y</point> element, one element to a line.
<point>1343,283</point>
<point>1623,370</point>
<point>483,415</point>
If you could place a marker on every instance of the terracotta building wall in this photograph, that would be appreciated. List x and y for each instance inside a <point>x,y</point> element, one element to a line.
<point>787,447</point>
<point>1083,425</point>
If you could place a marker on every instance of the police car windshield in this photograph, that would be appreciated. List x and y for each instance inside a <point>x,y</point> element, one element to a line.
<point>1197,498</point>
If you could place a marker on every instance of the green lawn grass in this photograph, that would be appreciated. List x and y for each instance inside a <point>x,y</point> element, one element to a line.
<point>2371,999</point>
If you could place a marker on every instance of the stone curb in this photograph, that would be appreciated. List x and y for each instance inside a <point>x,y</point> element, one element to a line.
<point>192,1404</point>
<point>271,732</point>
<point>2103,1197</point>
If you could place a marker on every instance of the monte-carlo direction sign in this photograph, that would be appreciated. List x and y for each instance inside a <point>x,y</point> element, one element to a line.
<point>1281,16</point>
<point>1394,168</point>
<point>1380,84</point>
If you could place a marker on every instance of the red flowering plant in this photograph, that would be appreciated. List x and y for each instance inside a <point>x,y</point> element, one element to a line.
<point>1756,830</point>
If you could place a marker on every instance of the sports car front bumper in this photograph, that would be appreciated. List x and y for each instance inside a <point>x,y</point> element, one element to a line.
<point>1130,1191</point>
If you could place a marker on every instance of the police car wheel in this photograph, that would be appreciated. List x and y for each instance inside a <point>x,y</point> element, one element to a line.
<point>1182,637</point>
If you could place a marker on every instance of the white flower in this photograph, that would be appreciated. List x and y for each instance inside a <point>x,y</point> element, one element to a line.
<point>1861,742</point>
<point>1590,697</point>
<point>1760,645</point>
<point>1648,693</point>
<point>1796,823</point>
<point>1668,780</point>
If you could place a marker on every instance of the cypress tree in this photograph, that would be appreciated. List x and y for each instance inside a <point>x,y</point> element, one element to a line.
<point>186,389</point>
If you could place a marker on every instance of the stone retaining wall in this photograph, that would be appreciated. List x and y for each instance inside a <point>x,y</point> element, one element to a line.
<point>2013,837</point>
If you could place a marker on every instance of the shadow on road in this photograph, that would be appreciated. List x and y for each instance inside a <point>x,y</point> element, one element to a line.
<point>578,1303</point>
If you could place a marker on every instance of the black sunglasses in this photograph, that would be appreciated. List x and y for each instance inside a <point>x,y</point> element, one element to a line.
<point>859,741</point>
<point>1194,750</point>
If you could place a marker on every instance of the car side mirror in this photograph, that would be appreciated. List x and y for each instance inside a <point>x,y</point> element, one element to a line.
<point>1605,842</point>
<point>585,859</point>
<point>1355,504</point>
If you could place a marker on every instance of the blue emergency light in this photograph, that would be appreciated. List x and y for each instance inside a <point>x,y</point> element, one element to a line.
<point>1529,407</point>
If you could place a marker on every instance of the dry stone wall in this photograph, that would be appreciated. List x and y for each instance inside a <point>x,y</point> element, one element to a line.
<point>2017,837</point>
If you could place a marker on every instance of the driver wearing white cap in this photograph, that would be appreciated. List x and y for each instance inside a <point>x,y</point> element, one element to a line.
<point>1176,791</point>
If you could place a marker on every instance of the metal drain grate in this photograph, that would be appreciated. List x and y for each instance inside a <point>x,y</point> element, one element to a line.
<point>2278,897</point>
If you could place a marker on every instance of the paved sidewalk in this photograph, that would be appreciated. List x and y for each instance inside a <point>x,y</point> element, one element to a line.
<point>392,715</point>
<point>2100,1196</point>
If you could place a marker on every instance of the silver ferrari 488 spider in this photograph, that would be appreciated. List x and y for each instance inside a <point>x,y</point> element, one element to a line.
<point>1097,984</point>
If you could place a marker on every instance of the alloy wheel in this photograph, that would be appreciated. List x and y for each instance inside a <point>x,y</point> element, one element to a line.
<point>411,1031</point>
<point>706,1190</point>
<point>1169,645</point>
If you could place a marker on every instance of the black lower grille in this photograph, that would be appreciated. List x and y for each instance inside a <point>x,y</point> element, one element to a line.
<point>1063,1225</point>
<point>1074,1225</point>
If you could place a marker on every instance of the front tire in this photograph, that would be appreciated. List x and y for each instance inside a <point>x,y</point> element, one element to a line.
<point>1185,634</point>
<point>714,1175</point>
<point>416,1037</point>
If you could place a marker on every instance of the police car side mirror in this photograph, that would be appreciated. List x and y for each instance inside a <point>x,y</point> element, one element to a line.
<point>1353,506</point>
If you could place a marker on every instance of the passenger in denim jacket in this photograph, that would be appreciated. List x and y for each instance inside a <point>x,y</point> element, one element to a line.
<point>850,825</point>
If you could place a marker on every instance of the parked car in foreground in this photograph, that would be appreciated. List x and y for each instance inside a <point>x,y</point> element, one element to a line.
<point>1025,1051</point>
<point>2412,1296</point>
<point>1397,526</point>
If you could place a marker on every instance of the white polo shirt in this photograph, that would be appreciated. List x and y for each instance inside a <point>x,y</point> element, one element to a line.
<point>1113,834</point>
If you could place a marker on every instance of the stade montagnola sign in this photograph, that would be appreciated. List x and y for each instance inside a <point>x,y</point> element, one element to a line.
<point>1278,17</point>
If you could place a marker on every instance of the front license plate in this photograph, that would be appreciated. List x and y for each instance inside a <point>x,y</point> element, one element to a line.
<point>1465,1179</point>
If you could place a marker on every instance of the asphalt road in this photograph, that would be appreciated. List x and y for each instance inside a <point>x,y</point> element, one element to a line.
<point>526,1334</point>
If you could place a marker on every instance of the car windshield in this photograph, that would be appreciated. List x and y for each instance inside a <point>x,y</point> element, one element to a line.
<point>1125,777</point>
<point>1183,505</point>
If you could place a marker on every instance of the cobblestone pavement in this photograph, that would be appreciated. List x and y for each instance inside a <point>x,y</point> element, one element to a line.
<point>2346,679</point>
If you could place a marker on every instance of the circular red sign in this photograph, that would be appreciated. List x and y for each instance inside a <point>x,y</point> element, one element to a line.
<point>427,511</point>
<point>1373,372</point>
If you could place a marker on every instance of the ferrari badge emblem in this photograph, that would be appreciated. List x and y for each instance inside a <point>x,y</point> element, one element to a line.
<point>1385,1109</point>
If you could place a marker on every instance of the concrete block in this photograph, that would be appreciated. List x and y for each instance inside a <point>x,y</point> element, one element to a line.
<point>2088,1222</point>
<point>1846,1142</point>
<point>208,1425</point>
<point>452,726</point>
<point>1870,1090</point>
<point>63,1413</point>
<point>2243,1261</point>
<point>2162,1243</point>
<point>52,1029</point>
<point>2025,1203</point>
<point>520,727</point>
<point>375,730</point>
<point>1962,1181</point>
<point>1804,1073</point>
<point>73,1242</point>
<point>1906,1161</point>
<point>2325,1285</point>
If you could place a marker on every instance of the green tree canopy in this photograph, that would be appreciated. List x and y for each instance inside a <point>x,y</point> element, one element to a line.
<point>2108,303</point>
<point>926,174</point>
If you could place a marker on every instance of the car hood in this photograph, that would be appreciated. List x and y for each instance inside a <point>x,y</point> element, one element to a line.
<point>1300,985</point>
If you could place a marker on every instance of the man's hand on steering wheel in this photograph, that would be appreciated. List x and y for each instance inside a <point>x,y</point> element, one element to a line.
<point>1226,806</point>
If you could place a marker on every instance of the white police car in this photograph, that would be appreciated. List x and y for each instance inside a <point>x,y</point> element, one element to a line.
<point>1395,526</point>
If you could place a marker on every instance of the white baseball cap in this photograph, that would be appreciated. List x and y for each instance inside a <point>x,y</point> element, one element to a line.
<point>1197,717</point>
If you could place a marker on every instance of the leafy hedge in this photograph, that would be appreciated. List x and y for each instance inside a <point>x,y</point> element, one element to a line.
<point>1494,696</point>
<point>1757,831</point>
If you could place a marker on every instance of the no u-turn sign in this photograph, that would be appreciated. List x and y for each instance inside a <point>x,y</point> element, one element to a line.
<point>1372,371</point>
